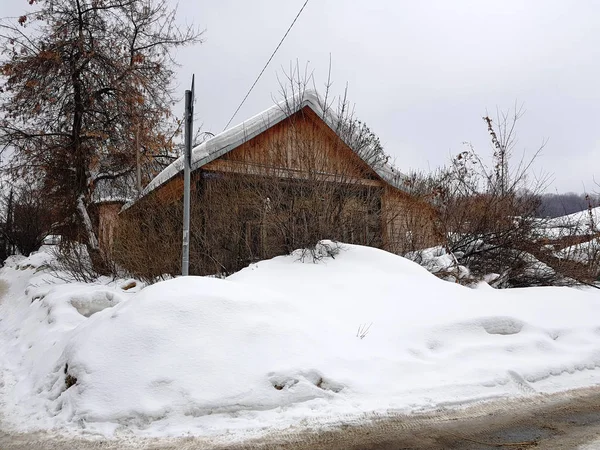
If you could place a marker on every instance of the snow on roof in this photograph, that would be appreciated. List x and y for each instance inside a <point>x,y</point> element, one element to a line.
<point>232,138</point>
<point>120,190</point>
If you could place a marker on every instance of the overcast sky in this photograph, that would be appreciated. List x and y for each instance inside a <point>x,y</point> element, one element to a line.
<point>421,73</point>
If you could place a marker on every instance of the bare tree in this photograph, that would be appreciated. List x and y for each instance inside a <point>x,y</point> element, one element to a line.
<point>87,83</point>
<point>488,216</point>
<point>28,218</point>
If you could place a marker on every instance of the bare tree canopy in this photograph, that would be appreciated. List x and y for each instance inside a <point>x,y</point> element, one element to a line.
<point>27,219</point>
<point>87,83</point>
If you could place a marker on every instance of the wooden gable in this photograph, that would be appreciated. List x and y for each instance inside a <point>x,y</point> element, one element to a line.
<point>301,145</point>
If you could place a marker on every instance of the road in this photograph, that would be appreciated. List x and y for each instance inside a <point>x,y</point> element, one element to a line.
<point>551,422</point>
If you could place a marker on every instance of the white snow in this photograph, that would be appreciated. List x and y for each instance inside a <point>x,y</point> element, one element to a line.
<point>584,252</point>
<point>590,446</point>
<point>441,263</point>
<point>281,343</point>
<point>576,224</point>
<point>582,217</point>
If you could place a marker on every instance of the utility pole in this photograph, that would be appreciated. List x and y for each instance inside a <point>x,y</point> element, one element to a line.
<point>138,158</point>
<point>187,163</point>
<point>9,225</point>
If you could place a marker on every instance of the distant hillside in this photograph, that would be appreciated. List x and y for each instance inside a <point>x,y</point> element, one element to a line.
<point>558,205</point>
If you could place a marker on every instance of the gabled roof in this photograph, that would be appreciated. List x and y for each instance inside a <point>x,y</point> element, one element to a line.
<point>232,138</point>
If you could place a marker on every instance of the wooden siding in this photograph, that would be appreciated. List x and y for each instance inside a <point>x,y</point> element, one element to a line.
<point>108,216</point>
<point>299,149</point>
<point>300,146</point>
<point>408,224</point>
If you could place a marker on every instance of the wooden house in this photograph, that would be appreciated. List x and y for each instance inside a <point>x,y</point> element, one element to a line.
<point>280,180</point>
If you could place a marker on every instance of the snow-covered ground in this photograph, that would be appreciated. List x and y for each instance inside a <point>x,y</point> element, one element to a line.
<point>584,252</point>
<point>576,224</point>
<point>283,343</point>
<point>591,446</point>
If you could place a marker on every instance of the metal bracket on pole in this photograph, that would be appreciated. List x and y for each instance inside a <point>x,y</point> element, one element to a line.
<point>187,163</point>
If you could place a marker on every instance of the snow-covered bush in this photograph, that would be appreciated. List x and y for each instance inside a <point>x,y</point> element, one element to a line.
<point>487,217</point>
<point>442,264</point>
<point>321,250</point>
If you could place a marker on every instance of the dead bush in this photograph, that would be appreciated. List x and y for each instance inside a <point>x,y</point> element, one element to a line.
<point>488,216</point>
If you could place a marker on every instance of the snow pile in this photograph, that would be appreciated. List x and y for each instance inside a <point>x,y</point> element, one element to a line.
<point>440,263</point>
<point>584,252</point>
<point>38,312</point>
<point>434,259</point>
<point>285,342</point>
<point>36,260</point>
<point>576,224</point>
<point>193,345</point>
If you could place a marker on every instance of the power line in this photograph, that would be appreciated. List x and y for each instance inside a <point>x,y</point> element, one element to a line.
<point>265,67</point>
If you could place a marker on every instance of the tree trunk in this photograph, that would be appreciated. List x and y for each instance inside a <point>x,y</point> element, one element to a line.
<point>97,257</point>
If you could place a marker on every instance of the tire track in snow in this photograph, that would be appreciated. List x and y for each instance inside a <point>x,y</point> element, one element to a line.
<point>521,383</point>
